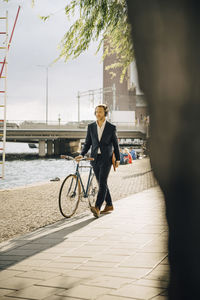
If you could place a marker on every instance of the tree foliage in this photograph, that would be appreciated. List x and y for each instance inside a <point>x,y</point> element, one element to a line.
<point>104,21</point>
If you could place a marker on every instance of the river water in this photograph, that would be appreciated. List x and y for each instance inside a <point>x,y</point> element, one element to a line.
<point>26,172</point>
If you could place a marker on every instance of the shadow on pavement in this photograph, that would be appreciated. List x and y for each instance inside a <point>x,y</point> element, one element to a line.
<point>21,248</point>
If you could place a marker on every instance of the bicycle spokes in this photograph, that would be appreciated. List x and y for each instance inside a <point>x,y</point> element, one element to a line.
<point>69,196</point>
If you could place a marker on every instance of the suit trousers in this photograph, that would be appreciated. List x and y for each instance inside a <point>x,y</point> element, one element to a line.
<point>101,171</point>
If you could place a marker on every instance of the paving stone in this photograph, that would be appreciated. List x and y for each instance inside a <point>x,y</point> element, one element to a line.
<point>80,238</point>
<point>69,245</point>
<point>94,269</point>
<point>34,262</point>
<point>12,258</point>
<point>119,252</point>
<point>71,259</point>
<point>58,271</point>
<point>162,268</point>
<point>24,252</point>
<point>83,273</point>
<point>110,297</point>
<point>34,292</point>
<point>155,247</point>
<point>108,258</point>
<point>65,265</point>
<point>165,261</point>
<point>5,263</point>
<point>65,282</point>
<point>145,260</point>
<point>55,250</point>
<point>42,275</point>
<point>134,273</point>
<point>5,292</point>
<point>127,245</point>
<point>80,253</point>
<point>158,275</point>
<point>9,273</point>
<point>47,241</point>
<point>13,298</point>
<point>153,229</point>
<point>85,292</point>
<point>91,248</point>
<point>32,246</point>
<point>45,256</point>
<point>11,244</point>
<point>93,232</point>
<point>153,283</point>
<point>55,297</point>
<point>108,282</point>
<point>17,283</point>
<point>105,238</point>
<point>140,239</point>
<point>103,243</point>
<point>18,267</point>
<point>164,293</point>
<point>138,292</point>
<point>99,264</point>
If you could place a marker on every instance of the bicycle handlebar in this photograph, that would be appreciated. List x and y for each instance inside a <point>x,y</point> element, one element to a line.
<point>72,158</point>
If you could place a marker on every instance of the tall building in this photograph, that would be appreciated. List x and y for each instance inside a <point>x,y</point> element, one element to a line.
<point>125,96</point>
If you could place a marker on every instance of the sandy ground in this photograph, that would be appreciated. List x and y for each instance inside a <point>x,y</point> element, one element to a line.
<point>28,208</point>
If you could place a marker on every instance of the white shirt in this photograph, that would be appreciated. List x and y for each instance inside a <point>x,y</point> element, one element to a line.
<point>100,132</point>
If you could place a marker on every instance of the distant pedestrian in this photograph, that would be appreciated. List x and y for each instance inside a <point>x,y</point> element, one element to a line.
<point>101,135</point>
<point>126,151</point>
<point>123,157</point>
<point>133,154</point>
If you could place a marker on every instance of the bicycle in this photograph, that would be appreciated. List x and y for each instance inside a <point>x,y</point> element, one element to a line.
<point>72,190</point>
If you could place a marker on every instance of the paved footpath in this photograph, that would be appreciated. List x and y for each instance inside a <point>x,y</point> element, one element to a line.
<point>118,256</point>
<point>37,206</point>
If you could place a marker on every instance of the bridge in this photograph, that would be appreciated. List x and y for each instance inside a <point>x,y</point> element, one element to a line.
<point>63,140</point>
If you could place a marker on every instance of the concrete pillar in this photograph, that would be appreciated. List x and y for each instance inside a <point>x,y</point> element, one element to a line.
<point>57,147</point>
<point>75,146</point>
<point>64,147</point>
<point>42,148</point>
<point>49,148</point>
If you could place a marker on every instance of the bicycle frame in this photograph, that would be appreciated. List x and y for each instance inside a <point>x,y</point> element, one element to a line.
<point>90,177</point>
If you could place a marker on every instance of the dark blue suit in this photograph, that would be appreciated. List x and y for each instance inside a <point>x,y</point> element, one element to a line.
<point>102,163</point>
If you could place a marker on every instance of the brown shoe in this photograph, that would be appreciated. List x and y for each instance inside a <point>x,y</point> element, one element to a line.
<point>107,209</point>
<point>95,211</point>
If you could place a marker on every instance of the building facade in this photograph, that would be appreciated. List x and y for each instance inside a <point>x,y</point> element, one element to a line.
<point>125,96</point>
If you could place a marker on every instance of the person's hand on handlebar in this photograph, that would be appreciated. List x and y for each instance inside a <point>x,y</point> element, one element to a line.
<point>79,157</point>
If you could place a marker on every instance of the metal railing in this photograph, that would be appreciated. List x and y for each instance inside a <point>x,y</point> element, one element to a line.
<point>36,124</point>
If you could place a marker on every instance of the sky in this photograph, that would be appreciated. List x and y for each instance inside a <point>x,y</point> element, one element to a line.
<point>35,43</point>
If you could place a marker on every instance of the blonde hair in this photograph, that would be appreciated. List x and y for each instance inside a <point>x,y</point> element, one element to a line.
<point>126,150</point>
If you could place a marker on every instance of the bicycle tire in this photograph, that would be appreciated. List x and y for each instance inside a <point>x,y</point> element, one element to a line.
<point>69,195</point>
<point>92,191</point>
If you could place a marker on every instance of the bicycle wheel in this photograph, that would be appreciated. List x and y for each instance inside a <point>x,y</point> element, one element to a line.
<point>69,196</point>
<point>92,191</point>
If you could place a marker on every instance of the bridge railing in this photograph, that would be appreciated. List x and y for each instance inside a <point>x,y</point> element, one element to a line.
<point>35,124</point>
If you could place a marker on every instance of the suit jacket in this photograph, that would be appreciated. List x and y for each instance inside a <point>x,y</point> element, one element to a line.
<point>106,144</point>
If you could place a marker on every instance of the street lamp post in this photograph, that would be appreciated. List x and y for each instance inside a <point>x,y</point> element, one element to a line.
<point>78,107</point>
<point>47,89</point>
<point>47,93</point>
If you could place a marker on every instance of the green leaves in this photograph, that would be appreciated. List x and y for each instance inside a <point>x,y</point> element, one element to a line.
<point>44,18</point>
<point>104,21</point>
